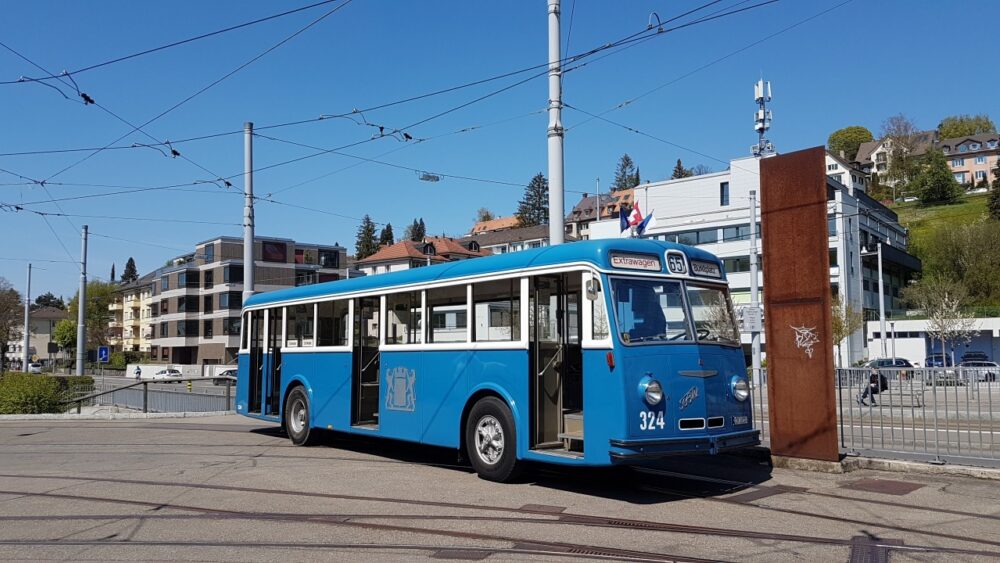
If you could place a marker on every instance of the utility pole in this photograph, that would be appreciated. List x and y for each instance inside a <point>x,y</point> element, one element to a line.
<point>27,323</point>
<point>881,302</point>
<point>555,131</point>
<point>754,299</point>
<point>81,306</point>
<point>248,261</point>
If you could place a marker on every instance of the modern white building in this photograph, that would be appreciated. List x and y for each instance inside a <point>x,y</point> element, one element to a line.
<point>909,339</point>
<point>712,211</point>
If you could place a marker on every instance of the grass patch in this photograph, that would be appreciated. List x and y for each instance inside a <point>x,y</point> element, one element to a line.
<point>923,221</point>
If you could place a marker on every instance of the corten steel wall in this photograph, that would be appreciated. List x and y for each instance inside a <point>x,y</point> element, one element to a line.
<point>797,306</point>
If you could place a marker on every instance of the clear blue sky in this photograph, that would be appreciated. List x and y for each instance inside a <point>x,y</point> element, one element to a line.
<point>857,64</point>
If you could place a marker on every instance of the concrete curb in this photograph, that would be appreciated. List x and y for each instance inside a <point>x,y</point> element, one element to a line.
<point>849,464</point>
<point>112,416</point>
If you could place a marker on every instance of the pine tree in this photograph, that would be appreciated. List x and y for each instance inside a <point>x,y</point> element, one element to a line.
<point>366,243</point>
<point>130,274</point>
<point>680,171</point>
<point>533,209</point>
<point>421,230</point>
<point>626,176</point>
<point>386,237</point>
<point>994,199</point>
<point>112,272</point>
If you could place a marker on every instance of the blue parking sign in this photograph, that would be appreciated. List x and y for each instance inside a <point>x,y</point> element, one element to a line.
<point>103,355</point>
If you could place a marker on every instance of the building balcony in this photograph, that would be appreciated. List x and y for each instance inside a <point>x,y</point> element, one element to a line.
<point>115,324</point>
<point>116,306</point>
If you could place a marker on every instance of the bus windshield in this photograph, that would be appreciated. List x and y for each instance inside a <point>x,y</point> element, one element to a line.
<point>650,310</point>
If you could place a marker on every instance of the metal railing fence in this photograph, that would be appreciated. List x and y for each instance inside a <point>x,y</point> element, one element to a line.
<point>930,414</point>
<point>151,396</point>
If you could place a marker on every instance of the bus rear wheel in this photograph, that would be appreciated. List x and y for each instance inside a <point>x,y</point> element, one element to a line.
<point>297,419</point>
<point>491,441</point>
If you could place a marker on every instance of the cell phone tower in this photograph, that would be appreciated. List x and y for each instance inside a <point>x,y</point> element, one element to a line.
<point>762,119</point>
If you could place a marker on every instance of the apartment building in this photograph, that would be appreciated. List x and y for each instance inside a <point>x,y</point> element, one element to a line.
<point>593,208</point>
<point>407,254</point>
<point>196,300</point>
<point>42,325</point>
<point>972,159</point>
<point>712,211</point>
<point>131,325</point>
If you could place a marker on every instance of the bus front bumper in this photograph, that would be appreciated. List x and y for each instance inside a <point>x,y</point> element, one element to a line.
<point>627,450</point>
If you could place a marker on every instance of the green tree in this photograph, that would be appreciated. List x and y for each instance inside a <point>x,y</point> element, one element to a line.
<point>935,184</point>
<point>11,317</point>
<point>845,321</point>
<point>848,140</point>
<point>421,230</point>
<point>680,171</point>
<point>964,125</point>
<point>967,254</point>
<point>994,200</point>
<point>386,237</point>
<point>64,334</point>
<point>877,189</point>
<point>366,244</point>
<point>112,272</point>
<point>626,175</point>
<point>533,209</point>
<point>130,274</point>
<point>47,299</point>
<point>99,297</point>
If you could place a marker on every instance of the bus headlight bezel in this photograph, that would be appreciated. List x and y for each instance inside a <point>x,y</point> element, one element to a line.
<point>740,388</point>
<point>653,393</point>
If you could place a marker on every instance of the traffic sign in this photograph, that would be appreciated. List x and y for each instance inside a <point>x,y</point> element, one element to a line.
<point>103,355</point>
<point>752,319</point>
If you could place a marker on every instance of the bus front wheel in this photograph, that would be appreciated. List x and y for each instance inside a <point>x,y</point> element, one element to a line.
<point>297,418</point>
<point>491,440</point>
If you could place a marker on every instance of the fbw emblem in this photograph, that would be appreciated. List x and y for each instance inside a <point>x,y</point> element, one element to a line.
<point>400,391</point>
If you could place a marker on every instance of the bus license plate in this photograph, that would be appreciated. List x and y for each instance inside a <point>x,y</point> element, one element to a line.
<point>737,420</point>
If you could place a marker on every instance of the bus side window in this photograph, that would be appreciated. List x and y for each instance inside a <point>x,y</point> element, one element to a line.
<point>447,314</point>
<point>299,325</point>
<point>403,318</point>
<point>496,311</point>
<point>332,323</point>
<point>599,313</point>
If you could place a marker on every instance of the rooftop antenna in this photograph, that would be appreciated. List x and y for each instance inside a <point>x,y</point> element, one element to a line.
<point>762,119</point>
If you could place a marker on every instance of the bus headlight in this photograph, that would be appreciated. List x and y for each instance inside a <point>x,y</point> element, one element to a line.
<point>654,392</point>
<point>741,390</point>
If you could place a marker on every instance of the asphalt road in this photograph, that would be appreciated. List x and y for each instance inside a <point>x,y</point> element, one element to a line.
<point>232,489</point>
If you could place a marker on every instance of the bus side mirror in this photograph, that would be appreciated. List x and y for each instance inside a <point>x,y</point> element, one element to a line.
<point>592,286</point>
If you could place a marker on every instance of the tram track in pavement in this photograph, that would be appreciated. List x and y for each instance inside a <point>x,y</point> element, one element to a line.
<point>532,515</point>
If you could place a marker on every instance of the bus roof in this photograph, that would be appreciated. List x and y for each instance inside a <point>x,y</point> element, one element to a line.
<point>594,252</point>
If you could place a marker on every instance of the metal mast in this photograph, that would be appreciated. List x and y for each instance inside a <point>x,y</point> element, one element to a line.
<point>762,119</point>
<point>555,131</point>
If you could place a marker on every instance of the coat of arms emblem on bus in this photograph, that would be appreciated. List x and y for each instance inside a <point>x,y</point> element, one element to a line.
<point>400,394</point>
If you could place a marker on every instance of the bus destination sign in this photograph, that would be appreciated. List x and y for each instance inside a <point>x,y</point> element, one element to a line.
<point>707,269</point>
<point>635,262</point>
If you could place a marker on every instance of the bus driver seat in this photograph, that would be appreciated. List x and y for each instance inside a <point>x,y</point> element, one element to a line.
<point>649,319</point>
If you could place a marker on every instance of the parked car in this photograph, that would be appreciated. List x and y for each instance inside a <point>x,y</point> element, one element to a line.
<point>34,367</point>
<point>226,373</point>
<point>169,375</point>
<point>981,371</point>
<point>888,363</point>
<point>974,356</point>
<point>938,361</point>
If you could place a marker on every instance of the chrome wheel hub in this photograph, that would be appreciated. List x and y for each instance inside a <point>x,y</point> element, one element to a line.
<point>297,420</point>
<point>489,440</point>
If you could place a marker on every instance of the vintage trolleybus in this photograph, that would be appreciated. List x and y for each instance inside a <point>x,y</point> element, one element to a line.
<point>591,353</point>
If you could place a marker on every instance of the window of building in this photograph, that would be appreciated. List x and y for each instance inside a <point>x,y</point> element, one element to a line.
<point>207,303</point>
<point>299,325</point>
<point>963,148</point>
<point>831,225</point>
<point>736,264</point>
<point>724,194</point>
<point>164,307</point>
<point>960,177</point>
<point>163,329</point>
<point>208,253</point>
<point>974,146</point>
<point>838,177</point>
<point>329,258</point>
<point>206,328</point>
<point>833,257</point>
<point>831,167</point>
<point>232,274</point>
<point>165,283</point>
<point>231,326</point>
<point>209,279</point>
<point>980,174</point>
<point>991,144</point>
<point>736,232</point>
<point>981,159</point>
<point>957,162</point>
<point>273,251</point>
<point>187,328</point>
<point>881,167</point>
<point>164,353</point>
<point>333,323</point>
<point>403,312</point>
<point>880,157</point>
<point>187,279</point>
<point>496,307</point>
<point>446,309</point>
<point>230,300</point>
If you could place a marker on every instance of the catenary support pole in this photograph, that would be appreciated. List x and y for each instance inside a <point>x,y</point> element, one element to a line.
<point>248,218</point>
<point>81,306</point>
<point>754,297</point>
<point>555,131</point>
<point>27,323</point>
<point>881,303</point>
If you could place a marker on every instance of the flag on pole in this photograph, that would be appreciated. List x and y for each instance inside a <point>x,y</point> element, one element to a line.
<point>635,217</point>
<point>647,223</point>
<point>623,223</point>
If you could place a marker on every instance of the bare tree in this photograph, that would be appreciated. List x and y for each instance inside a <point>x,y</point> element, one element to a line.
<point>11,317</point>
<point>846,320</point>
<point>942,300</point>
<point>484,214</point>
<point>900,135</point>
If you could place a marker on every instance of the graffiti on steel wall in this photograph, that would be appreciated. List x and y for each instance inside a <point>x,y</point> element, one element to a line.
<point>805,338</point>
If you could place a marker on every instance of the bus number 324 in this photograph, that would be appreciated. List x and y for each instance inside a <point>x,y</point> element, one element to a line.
<point>649,420</point>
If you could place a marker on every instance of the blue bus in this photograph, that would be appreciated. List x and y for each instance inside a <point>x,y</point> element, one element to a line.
<point>591,353</point>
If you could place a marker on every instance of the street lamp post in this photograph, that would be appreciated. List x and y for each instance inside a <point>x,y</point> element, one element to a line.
<point>881,297</point>
<point>892,329</point>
